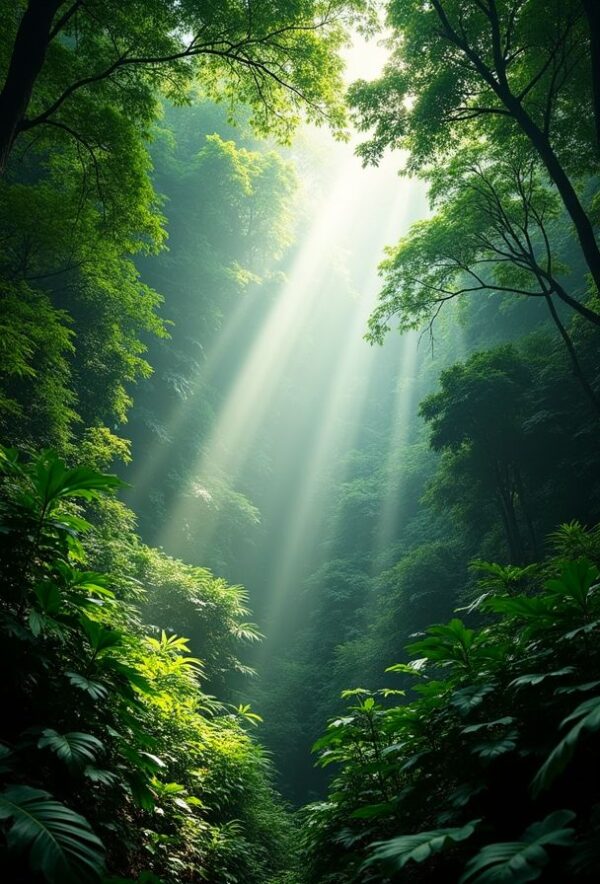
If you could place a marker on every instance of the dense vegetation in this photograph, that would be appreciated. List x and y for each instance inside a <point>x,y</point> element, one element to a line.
<point>415,527</point>
<point>109,714</point>
<point>471,772</point>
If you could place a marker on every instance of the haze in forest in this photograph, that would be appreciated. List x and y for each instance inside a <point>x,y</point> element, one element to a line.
<point>299,477</point>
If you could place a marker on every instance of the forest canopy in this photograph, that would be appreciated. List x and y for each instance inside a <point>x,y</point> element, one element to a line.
<point>277,605</point>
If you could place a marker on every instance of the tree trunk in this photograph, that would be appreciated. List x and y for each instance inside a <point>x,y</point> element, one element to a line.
<point>578,215</point>
<point>592,12</point>
<point>525,510</point>
<point>576,305</point>
<point>539,139</point>
<point>28,54</point>
<point>509,520</point>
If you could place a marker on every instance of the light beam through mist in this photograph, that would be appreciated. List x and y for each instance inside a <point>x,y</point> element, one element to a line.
<point>239,420</point>
<point>384,205</point>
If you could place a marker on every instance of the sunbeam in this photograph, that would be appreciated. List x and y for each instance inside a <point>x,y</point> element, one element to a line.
<point>347,389</point>
<point>403,403</point>
<point>256,381</point>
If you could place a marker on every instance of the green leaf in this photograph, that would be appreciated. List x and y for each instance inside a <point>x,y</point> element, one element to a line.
<point>96,690</point>
<point>140,791</point>
<point>535,679</point>
<point>36,622</point>
<point>397,852</point>
<point>494,748</point>
<point>92,582</point>
<point>591,626</point>
<point>575,582</point>
<point>244,711</point>
<point>98,775</point>
<point>131,676</point>
<point>144,761</point>
<point>577,688</point>
<point>466,699</point>
<point>48,595</point>
<point>447,644</point>
<point>520,861</point>
<point>55,482</point>
<point>589,719</point>
<point>373,811</point>
<point>99,637</point>
<point>415,667</point>
<point>74,748</point>
<point>60,842</point>
<point>488,725</point>
<point>529,608</point>
<point>463,794</point>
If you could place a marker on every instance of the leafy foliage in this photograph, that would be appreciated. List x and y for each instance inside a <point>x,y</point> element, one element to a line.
<point>80,103</point>
<point>477,748</point>
<point>114,748</point>
<point>522,860</point>
<point>417,848</point>
<point>59,841</point>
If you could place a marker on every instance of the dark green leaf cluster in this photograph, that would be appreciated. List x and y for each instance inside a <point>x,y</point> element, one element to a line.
<point>490,772</point>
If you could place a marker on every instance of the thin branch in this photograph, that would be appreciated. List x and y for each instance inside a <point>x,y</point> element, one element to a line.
<point>218,47</point>
<point>64,19</point>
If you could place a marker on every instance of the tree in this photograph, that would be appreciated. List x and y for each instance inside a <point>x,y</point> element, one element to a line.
<point>495,230</point>
<point>83,88</point>
<point>63,57</point>
<point>70,226</point>
<point>476,418</point>
<point>503,67</point>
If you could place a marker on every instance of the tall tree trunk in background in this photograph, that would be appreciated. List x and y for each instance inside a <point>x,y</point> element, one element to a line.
<point>592,11</point>
<point>29,52</point>
<point>509,519</point>
<point>527,515</point>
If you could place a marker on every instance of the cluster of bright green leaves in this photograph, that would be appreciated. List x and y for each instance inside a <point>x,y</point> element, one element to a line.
<point>113,752</point>
<point>469,780</point>
<point>435,87</point>
<point>281,61</point>
<point>77,199</point>
<point>75,306</point>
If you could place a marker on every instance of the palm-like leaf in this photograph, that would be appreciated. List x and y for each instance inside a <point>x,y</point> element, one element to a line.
<point>588,714</point>
<point>520,861</point>
<point>96,690</point>
<point>60,842</point>
<point>397,852</point>
<point>74,748</point>
<point>104,777</point>
<point>54,481</point>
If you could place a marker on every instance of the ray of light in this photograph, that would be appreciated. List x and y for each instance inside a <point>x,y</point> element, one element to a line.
<point>249,398</point>
<point>240,418</point>
<point>155,458</point>
<point>404,400</point>
<point>346,399</point>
